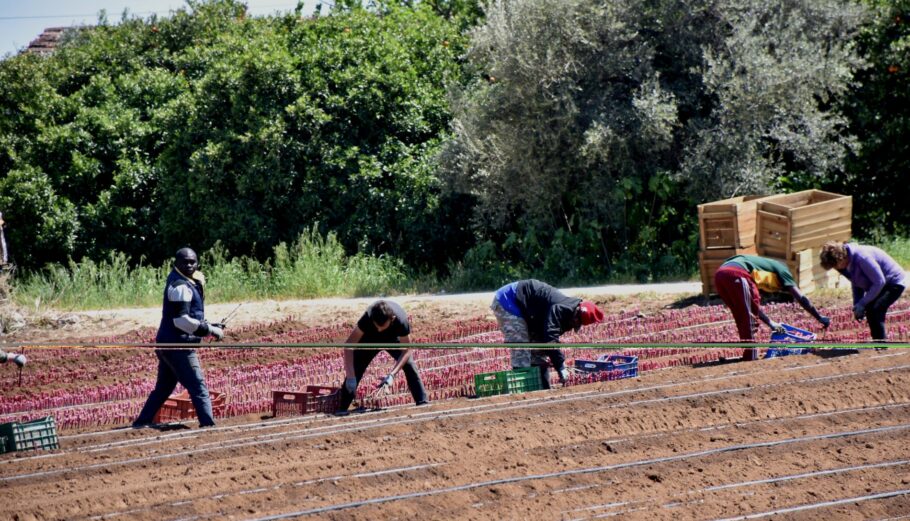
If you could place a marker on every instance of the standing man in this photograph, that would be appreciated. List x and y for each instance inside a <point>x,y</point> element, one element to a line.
<point>384,322</point>
<point>738,281</point>
<point>877,280</point>
<point>182,322</point>
<point>533,311</point>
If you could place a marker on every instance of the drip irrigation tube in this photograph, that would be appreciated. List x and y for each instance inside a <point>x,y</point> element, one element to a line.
<point>431,415</point>
<point>780,479</point>
<point>822,504</point>
<point>267,489</point>
<point>582,471</point>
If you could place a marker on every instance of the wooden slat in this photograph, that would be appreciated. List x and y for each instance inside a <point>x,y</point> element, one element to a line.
<point>819,240</point>
<point>820,230</point>
<point>773,208</point>
<point>781,227</point>
<point>841,206</point>
<point>725,253</point>
<point>804,227</point>
<point>765,251</point>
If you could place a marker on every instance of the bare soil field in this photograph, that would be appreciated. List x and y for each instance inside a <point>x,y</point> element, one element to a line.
<point>802,437</point>
<point>814,436</point>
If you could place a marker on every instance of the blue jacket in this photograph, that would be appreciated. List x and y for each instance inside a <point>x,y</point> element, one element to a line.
<point>176,291</point>
<point>548,312</point>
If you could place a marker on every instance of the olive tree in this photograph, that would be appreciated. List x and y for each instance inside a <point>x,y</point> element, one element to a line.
<point>596,124</point>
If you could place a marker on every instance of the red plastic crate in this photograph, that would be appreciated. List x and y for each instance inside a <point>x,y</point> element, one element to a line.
<point>179,407</point>
<point>315,398</point>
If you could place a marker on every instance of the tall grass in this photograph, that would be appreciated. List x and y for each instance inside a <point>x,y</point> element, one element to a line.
<point>313,266</point>
<point>898,248</point>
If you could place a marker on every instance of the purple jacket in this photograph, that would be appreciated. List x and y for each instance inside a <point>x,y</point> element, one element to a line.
<point>868,270</point>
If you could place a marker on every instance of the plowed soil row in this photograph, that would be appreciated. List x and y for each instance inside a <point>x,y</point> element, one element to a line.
<point>799,437</point>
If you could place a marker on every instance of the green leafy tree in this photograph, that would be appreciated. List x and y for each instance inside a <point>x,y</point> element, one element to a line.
<point>211,125</point>
<point>41,224</point>
<point>597,125</point>
<point>879,110</point>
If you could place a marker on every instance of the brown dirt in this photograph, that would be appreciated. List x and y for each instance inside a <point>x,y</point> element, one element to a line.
<point>55,326</point>
<point>800,437</point>
<point>687,443</point>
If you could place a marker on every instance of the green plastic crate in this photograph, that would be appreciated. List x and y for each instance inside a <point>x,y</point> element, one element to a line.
<point>491,384</point>
<point>2,444</point>
<point>524,379</point>
<point>507,382</point>
<point>33,435</point>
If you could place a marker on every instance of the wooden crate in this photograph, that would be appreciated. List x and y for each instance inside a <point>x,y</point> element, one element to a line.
<point>729,223</point>
<point>790,223</point>
<point>809,274</point>
<point>710,260</point>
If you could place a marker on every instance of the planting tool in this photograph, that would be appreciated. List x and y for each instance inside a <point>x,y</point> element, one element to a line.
<point>229,315</point>
<point>383,388</point>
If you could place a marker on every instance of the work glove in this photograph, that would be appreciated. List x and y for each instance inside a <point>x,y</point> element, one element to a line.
<point>387,381</point>
<point>859,311</point>
<point>825,321</point>
<point>216,331</point>
<point>350,384</point>
<point>776,327</point>
<point>563,375</point>
<point>19,360</point>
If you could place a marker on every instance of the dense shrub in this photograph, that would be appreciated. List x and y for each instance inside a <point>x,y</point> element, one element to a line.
<point>593,128</point>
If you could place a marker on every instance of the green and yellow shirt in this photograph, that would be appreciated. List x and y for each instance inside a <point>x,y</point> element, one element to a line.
<point>769,275</point>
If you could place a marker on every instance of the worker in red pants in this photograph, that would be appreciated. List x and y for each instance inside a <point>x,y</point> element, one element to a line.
<point>738,281</point>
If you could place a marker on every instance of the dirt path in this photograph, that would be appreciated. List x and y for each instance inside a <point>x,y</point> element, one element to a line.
<point>59,326</point>
<point>803,437</point>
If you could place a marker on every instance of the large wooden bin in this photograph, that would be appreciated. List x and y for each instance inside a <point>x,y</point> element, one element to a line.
<point>729,223</point>
<point>787,224</point>
<point>810,276</point>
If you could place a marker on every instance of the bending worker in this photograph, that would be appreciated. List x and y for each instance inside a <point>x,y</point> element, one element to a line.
<point>738,281</point>
<point>531,311</point>
<point>877,280</point>
<point>182,322</point>
<point>384,322</point>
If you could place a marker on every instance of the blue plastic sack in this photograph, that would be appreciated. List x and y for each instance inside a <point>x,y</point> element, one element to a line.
<point>791,335</point>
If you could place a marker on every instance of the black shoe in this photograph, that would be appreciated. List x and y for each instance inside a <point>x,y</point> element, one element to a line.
<point>341,413</point>
<point>421,403</point>
<point>142,426</point>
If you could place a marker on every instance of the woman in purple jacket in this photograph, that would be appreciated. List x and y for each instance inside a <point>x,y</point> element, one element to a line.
<point>877,280</point>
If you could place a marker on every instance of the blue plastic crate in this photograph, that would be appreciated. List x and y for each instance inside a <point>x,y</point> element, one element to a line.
<point>627,365</point>
<point>791,335</point>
